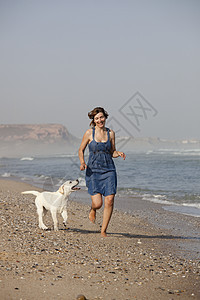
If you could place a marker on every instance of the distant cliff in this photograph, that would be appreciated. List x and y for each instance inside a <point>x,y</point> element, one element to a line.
<point>36,139</point>
<point>54,139</point>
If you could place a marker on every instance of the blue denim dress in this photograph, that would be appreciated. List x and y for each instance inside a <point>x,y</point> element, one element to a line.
<point>101,174</point>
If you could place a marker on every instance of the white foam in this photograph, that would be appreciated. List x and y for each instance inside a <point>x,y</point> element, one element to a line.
<point>6,175</point>
<point>184,152</point>
<point>186,208</point>
<point>196,205</point>
<point>27,158</point>
<point>160,199</point>
<point>149,152</point>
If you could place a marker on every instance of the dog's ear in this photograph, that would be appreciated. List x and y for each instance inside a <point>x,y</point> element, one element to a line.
<point>61,189</point>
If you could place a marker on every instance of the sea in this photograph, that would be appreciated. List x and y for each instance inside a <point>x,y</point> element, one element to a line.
<point>170,177</point>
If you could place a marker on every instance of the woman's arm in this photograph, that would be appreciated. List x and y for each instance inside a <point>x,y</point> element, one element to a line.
<point>114,152</point>
<point>85,141</point>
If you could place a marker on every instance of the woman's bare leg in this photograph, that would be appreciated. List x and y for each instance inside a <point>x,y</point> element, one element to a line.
<point>97,202</point>
<point>107,213</point>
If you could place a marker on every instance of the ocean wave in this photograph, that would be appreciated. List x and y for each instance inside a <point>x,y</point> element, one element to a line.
<point>6,175</point>
<point>162,199</point>
<point>41,176</point>
<point>60,156</point>
<point>27,158</point>
<point>165,198</point>
<point>197,205</point>
<point>131,191</point>
<point>184,152</point>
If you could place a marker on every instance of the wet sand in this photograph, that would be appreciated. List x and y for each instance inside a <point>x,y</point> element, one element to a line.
<point>140,259</point>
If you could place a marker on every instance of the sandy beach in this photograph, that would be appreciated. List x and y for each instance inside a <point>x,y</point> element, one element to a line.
<point>140,259</point>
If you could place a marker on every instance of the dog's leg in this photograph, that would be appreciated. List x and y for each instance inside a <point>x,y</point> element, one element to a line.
<point>40,215</point>
<point>55,221</point>
<point>44,211</point>
<point>40,211</point>
<point>64,215</point>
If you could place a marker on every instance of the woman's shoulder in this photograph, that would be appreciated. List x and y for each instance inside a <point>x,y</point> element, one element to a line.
<point>112,133</point>
<point>88,132</point>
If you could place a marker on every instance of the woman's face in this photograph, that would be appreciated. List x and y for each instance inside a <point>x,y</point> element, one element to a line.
<point>100,120</point>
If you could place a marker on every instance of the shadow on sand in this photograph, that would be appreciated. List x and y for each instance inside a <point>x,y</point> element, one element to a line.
<point>134,236</point>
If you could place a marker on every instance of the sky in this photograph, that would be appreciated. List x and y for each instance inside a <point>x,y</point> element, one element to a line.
<point>140,60</point>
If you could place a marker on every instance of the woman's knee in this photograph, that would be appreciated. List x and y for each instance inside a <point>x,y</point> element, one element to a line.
<point>97,205</point>
<point>97,201</point>
<point>109,200</point>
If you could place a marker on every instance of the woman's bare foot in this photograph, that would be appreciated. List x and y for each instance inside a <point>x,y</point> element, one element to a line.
<point>92,215</point>
<point>103,234</point>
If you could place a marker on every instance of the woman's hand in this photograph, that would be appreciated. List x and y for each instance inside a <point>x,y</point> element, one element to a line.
<point>114,152</point>
<point>122,154</point>
<point>85,141</point>
<point>83,166</point>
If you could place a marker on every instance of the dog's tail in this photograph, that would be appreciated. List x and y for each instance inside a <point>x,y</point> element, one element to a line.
<point>35,193</point>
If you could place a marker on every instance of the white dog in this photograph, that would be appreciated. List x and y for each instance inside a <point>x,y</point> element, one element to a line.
<point>54,201</point>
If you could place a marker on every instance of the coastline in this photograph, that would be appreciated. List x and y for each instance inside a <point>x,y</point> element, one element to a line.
<point>185,227</point>
<point>146,256</point>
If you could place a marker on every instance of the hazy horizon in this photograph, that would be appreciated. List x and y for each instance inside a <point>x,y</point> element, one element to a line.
<point>137,59</point>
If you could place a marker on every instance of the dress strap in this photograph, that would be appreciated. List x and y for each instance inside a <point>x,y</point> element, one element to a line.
<point>93,132</point>
<point>108,132</point>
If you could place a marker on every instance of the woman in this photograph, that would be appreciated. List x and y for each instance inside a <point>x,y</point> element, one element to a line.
<point>101,178</point>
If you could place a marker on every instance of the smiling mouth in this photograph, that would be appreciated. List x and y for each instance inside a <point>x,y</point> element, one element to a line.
<point>75,188</point>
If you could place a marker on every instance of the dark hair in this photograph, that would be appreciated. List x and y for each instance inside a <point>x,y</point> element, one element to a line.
<point>94,112</point>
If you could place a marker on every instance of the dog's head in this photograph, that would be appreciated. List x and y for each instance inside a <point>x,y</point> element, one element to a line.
<point>68,187</point>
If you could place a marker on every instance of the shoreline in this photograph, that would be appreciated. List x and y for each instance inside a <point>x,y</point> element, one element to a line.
<point>185,227</point>
<point>185,209</point>
<point>139,260</point>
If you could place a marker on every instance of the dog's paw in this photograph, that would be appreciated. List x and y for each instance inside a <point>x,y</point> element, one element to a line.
<point>44,227</point>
